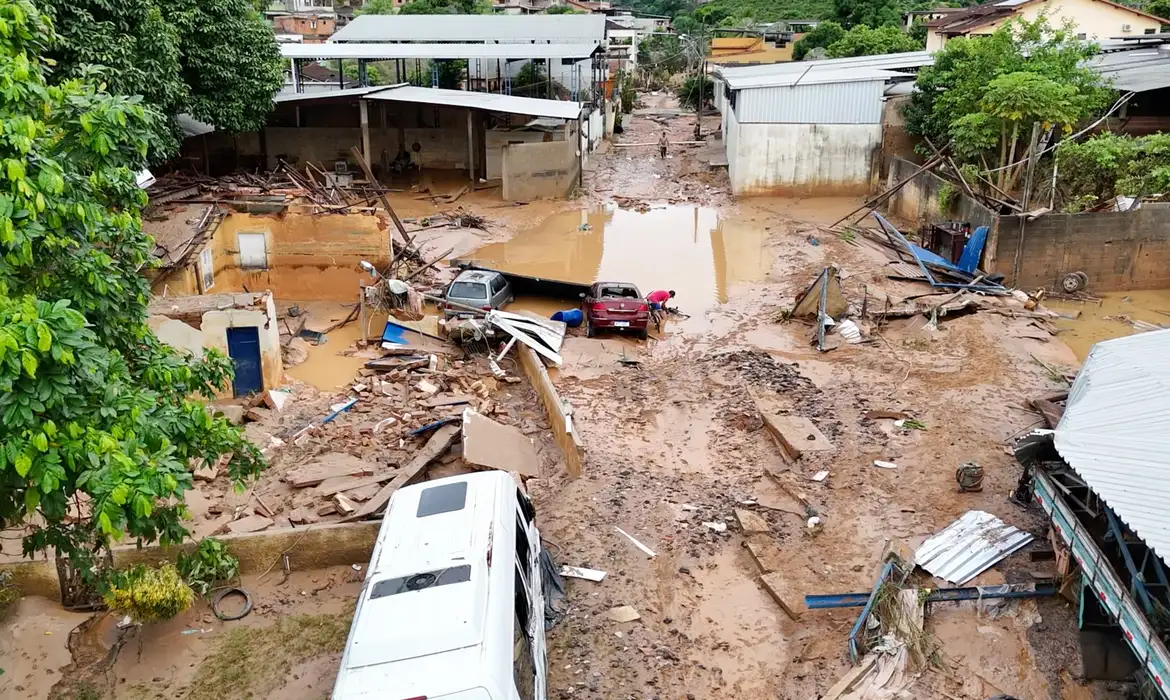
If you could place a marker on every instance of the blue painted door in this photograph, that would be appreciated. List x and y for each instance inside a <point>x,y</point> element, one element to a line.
<point>244,349</point>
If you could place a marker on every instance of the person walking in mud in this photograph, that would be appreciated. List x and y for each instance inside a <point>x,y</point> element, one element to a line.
<point>663,142</point>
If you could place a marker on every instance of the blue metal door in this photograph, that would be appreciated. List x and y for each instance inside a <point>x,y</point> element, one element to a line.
<point>244,349</point>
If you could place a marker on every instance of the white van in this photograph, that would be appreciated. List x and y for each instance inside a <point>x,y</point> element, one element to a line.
<point>453,605</point>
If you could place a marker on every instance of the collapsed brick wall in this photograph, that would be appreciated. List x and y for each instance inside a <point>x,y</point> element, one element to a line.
<point>1119,251</point>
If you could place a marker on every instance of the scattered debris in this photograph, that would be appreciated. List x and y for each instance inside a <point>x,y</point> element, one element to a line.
<point>969,546</point>
<point>578,572</point>
<point>751,523</point>
<point>777,588</point>
<point>884,465</point>
<point>969,476</point>
<point>716,526</point>
<point>649,552</point>
<point>252,523</point>
<point>623,613</point>
<point>821,475</point>
<point>794,435</point>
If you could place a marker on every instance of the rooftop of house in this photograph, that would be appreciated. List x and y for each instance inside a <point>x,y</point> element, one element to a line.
<point>569,29</point>
<point>962,21</point>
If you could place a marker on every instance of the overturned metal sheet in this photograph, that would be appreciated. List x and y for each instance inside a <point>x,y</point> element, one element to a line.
<point>969,546</point>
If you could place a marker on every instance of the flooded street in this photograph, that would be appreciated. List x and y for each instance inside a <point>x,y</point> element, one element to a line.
<point>1110,318</point>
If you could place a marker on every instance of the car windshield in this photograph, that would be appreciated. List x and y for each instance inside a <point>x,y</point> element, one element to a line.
<point>467,290</point>
<point>620,292</point>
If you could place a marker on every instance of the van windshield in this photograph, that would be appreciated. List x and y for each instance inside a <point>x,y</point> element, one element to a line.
<point>467,290</point>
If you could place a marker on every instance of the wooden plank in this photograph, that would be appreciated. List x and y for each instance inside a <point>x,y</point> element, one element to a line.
<point>346,483</point>
<point>850,679</point>
<point>437,445</point>
<point>327,467</point>
<point>1051,412</point>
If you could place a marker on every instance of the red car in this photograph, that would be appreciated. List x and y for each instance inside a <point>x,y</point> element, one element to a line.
<point>616,306</point>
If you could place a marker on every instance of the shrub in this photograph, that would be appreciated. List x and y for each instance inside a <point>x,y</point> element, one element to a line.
<point>149,594</point>
<point>209,564</point>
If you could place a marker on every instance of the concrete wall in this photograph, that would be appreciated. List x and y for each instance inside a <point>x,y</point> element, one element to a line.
<point>559,411</point>
<point>309,257</point>
<point>315,547</point>
<point>919,201</point>
<point>212,333</point>
<point>539,170</point>
<point>817,159</point>
<point>1117,250</point>
<point>495,141</point>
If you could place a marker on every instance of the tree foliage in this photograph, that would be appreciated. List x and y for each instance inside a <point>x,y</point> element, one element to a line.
<point>871,13</point>
<point>563,10</point>
<point>983,95</point>
<point>694,89</point>
<point>1106,165</point>
<point>148,593</point>
<point>825,34</point>
<point>446,7</point>
<point>229,60</point>
<point>1159,8</point>
<point>131,46</point>
<point>215,59</point>
<point>376,7</point>
<point>734,13</point>
<point>98,432</point>
<point>863,41</point>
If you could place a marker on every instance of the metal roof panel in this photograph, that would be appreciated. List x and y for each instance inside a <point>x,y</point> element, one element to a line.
<point>969,546</point>
<point>558,109</point>
<point>388,50</point>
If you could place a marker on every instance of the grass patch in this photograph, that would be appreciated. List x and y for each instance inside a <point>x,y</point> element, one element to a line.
<point>251,662</point>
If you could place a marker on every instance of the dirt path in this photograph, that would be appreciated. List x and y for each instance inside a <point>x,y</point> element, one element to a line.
<point>675,442</point>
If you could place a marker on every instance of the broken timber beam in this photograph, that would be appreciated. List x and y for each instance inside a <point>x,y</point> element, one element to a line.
<point>437,445</point>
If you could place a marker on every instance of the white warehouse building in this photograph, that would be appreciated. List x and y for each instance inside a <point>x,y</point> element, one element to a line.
<point>803,128</point>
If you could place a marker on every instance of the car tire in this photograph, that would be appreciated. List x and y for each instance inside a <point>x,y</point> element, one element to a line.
<point>644,333</point>
<point>590,332</point>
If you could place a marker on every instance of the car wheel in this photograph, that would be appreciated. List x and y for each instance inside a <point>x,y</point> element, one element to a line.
<point>590,332</point>
<point>644,333</point>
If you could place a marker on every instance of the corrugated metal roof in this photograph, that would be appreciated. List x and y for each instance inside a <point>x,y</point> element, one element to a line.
<point>481,100</point>
<point>969,546</point>
<point>811,75</point>
<point>326,94</point>
<point>474,28</point>
<point>1114,428</point>
<point>890,61</point>
<point>384,51</point>
<point>858,102</point>
<point>1136,70</point>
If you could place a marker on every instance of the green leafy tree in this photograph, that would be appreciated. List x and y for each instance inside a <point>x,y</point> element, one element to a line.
<point>984,94</point>
<point>135,50</point>
<point>563,10</point>
<point>376,7</point>
<point>95,413</point>
<point>732,13</point>
<point>863,41</point>
<point>1106,165</point>
<point>824,35</point>
<point>229,61</point>
<point>696,90</point>
<point>1159,8</point>
<point>446,7</point>
<point>349,68</point>
<point>872,13</point>
<point>530,81</point>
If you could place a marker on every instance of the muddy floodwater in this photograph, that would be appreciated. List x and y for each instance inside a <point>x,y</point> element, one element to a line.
<point>1107,319</point>
<point>689,249</point>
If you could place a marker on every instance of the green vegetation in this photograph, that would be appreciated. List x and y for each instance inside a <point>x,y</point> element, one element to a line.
<point>825,34</point>
<point>863,41</point>
<point>446,7</point>
<point>1106,165</point>
<point>251,662</point>
<point>149,594</point>
<point>214,59</point>
<point>983,95</point>
<point>694,89</point>
<point>90,401</point>
<point>208,565</point>
<point>563,10</point>
<point>871,13</point>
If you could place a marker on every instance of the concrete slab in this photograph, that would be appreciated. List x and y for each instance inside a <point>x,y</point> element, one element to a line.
<point>765,553</point>
<point>487,443</point>
<point>252,523</point>
<point>751,523</point>
<point>794,435</point>
<point>791,603</point>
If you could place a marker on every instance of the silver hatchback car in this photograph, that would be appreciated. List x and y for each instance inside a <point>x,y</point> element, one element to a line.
<point>482,289</point>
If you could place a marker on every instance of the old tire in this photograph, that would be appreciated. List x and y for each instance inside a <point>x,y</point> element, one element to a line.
<point>1073,282</point>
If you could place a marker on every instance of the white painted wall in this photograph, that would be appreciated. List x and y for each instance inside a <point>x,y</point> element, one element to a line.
<point>800,158</point>
<point>495,140</point>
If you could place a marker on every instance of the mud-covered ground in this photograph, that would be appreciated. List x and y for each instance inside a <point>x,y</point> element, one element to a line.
<point>674,441</point>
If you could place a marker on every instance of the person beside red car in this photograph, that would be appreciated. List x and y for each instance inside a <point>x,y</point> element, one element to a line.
<point>659,298</point>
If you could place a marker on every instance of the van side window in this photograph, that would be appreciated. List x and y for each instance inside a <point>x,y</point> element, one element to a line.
<point>523,607</point>
<point>523,550</point>
<point>525,506</point>
<point>523,666</point>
